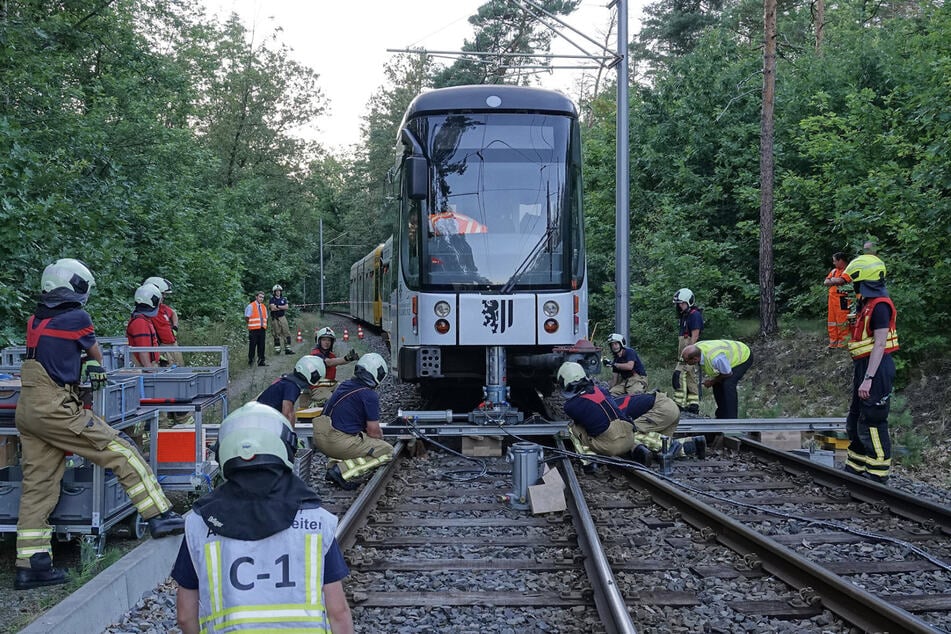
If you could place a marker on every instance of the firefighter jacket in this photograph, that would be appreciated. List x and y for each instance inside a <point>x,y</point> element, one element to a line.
<point>863,339</point>
<point>273,583</point>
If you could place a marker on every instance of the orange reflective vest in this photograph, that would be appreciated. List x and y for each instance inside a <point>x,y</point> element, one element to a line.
<point>258,318</point>
<point>863,339</point>
<point>450,223</point>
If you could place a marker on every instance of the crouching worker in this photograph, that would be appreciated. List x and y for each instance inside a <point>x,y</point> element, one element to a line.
<point>348,432</point>
<point>259,551</point>
<point>597,425</point>
<point>324,348</point>
<point>282,395</point>
<point>51,421</point>
<point>655,416</point>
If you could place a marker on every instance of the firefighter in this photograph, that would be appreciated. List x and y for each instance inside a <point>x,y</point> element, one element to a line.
<point>655,416</point>
<point>259,551</point>
<point>628,373</point>
<point>839,302</point>
<point>140,331</point>
<point>277,305</point>
<point>686,380</point>
<point>724,363</point>
<point>166,323</point>
<point>874,339</point>
<point>324,348</point>
<point>597,425</point>
<point>51,420</point>
<point>348,431</point>
<point>282,395</point>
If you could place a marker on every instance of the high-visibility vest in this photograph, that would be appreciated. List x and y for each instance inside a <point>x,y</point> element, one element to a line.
<point>451,223</point>
<point>258,318</point>
<point>270,584</point>
<point>863,339</point>
<point>735,351</point>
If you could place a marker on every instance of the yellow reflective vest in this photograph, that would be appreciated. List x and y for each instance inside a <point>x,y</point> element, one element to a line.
<point>735,351</point>
<point>863,339</point>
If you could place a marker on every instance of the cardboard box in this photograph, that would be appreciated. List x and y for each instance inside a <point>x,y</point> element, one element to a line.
<point>782,440</point>
<point>178,445</point>
<point>482,446</point>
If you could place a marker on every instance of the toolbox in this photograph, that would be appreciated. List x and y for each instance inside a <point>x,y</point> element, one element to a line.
<point>162,386</point>
<point>121,399</point>
<point>75,504</point>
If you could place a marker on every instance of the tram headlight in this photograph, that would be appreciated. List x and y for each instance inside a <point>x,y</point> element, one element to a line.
<point>551,326</point>
<point>550,308</point>
<point>441,309</point>
<point>442,326</point>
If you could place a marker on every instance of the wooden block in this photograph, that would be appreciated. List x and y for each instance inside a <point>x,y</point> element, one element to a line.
<point>547,498</point>
<point>553,477</point>
<point>482,446</point>
<point>783,440</point>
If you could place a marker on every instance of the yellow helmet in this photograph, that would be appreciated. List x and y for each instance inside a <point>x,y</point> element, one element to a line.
<point>866,268</point>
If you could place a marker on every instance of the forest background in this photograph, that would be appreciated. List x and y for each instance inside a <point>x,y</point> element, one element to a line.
<point>147,138</point>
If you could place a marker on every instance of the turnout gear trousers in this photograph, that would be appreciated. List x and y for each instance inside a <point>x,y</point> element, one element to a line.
<point>281,332</point>
<point>688,392</point>
<point>870,448</point>
<point>634,384</point>
<point>357,453</point>
<point>51,421</point>
<point>616,440</point>
<point>662,418</point>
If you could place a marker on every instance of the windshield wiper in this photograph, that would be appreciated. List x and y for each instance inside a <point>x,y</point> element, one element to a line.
<point>536,250</point>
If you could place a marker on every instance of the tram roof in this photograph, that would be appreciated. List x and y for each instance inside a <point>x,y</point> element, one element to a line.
<point>473,99</point>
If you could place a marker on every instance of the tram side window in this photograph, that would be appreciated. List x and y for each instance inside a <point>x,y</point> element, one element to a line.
<point>411,242</point>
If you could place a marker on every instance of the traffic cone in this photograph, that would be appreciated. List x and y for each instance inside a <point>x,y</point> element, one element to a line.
<point>359,332</point>
<point>300,335</point>
<point>346,335</point>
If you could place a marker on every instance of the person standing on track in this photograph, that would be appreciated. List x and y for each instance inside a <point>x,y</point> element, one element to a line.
<point>260,553</point>
<point>51,420</point>
<point>724,362</point>
<point>686,379</point>
<point>348,432</point>
<point>255,314</point>
<point>324,348</point>
<point>629,375</point>
<point>874,339</point>
<point>839,303</point>
<point>282,395</point>
<point>280,330</point>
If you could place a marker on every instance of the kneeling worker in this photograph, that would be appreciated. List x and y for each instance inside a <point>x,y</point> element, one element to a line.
<point>282,395</point>
<point>596,421</point>
<point>348,432</point>
<point>260,550</point>
<point>654,416</point>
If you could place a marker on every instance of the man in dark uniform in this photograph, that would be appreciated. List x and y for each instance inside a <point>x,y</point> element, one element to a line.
<point>629,375</point>
<point>874,339</point>
<point>686,379</point>
<point>282,395</point>
<point>51,420</point>
<point>277,306</point>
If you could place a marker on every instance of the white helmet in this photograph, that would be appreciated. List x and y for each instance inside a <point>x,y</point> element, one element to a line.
<point>684,295</point>
<point>571,376</point>
<point>615,337</point>
<point>277,287</point>
<point>371,369</point>
<point>326,332</point>
<point>66,280</point>
<point>161,283</point>
<point>253,435</point>
<point>148,295</point>
<point>311,369</point>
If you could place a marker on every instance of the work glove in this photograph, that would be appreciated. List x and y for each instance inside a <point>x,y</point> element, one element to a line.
<point>93,372</point>
<point>608,363</point>
<point>675,380</point>
<point>353,355</point>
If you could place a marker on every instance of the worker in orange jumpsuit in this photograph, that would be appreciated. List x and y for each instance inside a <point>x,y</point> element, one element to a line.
<point>839,301</point>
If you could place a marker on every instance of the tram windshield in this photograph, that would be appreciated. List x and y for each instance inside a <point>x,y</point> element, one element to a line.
<point>504,205</point>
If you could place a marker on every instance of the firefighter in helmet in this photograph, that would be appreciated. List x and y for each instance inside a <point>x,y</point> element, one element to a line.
<point>260,549</point>
<point>874,339</point>
<point>51,421</point>
<point>686,379</point>
<point>282,395</point>
<point>628,373</point>
<point>324,348</point>
<point>280,330</point>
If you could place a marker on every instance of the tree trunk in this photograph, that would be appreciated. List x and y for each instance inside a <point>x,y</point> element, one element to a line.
<point>819,16</point>
<point>767,297</point>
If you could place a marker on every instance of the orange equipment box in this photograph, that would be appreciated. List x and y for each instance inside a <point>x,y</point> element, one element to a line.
<point>178,445</point>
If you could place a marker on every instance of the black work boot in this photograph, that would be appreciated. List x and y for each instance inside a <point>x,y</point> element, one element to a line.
<point>288,351</point>
<point>168,523</point>
<point>334,475</point>
<point>642,455</point>
<point>693,408</point>
<point>696,446</point>
<point>40,573</point>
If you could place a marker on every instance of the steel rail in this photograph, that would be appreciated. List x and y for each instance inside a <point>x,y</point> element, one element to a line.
<point>738,425</point>
<point>857,606</point>
<point>901,503</point>
<point>360,509</point>
<point>607,597</point>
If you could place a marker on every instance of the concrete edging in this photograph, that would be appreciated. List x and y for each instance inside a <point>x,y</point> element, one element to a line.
<point>111,593</point>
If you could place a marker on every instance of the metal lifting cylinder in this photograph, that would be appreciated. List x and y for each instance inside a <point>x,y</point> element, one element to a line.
<point>526,458</point>
<point>495,389</point>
